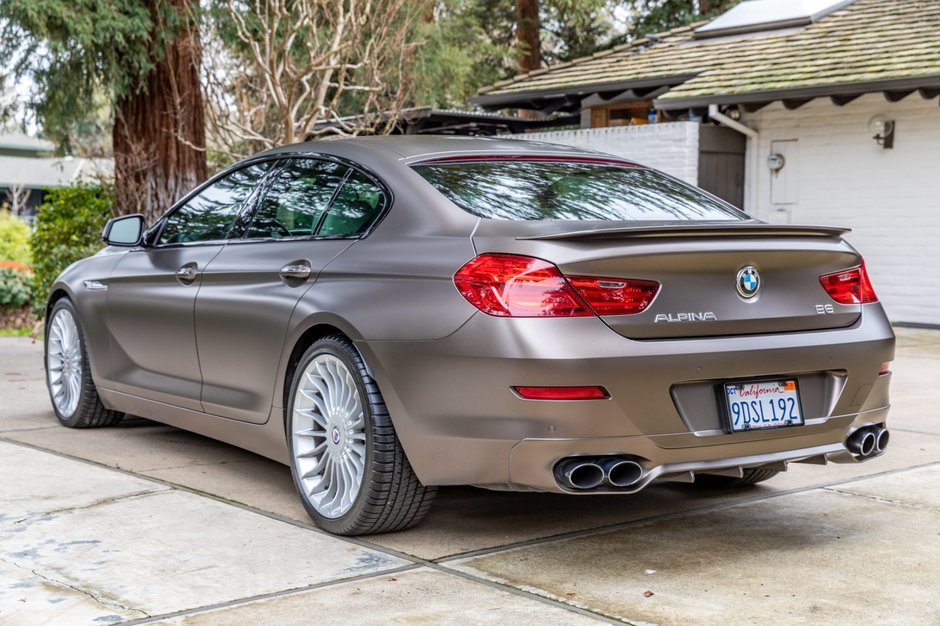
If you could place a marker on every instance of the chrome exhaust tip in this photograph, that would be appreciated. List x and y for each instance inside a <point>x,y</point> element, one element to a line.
<point>881,439</point>
<point>862,442</point>
<point>622,472</point>
<point>581,474</point>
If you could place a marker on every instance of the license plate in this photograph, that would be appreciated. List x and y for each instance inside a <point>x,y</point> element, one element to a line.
<point>760,405</point>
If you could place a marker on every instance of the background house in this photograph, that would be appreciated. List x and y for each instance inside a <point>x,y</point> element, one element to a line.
<point>819,111</point>
<point>26,172</point>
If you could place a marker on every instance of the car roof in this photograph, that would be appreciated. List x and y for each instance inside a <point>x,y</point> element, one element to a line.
<point>414,148</point>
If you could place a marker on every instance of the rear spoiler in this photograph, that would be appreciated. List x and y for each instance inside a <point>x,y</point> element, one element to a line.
<point>697,230</point>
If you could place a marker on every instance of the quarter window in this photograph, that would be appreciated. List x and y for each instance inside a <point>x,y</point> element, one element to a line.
<point>297,199</point>
<point>209,215</point>
<point>356,207</point>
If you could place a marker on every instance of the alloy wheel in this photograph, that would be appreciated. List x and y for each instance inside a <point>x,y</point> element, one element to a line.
<point>329,438</point>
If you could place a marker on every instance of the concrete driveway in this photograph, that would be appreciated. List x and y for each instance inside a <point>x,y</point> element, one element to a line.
<point>146,523</point>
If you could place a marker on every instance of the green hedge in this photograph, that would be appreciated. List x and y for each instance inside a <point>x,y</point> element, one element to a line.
<point>15,286</point>
<point>14,239</point>
<point>68,228</point>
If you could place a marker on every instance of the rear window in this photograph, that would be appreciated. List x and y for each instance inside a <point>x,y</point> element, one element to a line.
<point>561,190</point>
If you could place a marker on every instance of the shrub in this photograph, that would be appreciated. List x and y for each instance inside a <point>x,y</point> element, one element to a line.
<point>15,287</point>
<point>14,239</point>
<point>68,228</point>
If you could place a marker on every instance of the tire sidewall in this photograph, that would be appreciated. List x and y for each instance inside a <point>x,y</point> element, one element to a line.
<point>73,420</point>
<point>353,361</point>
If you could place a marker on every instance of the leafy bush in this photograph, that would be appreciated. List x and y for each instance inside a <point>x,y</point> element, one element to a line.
<point>68,228</point>
<point>15,287</point>
<point>14,239</point>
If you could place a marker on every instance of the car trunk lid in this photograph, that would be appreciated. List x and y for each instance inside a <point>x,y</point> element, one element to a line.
<point>697,266</point>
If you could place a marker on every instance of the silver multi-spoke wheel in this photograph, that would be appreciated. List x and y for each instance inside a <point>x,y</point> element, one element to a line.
<point>346,459</point>
<point>74,396</point>
<point>64,362</point>
<point>329,438</point>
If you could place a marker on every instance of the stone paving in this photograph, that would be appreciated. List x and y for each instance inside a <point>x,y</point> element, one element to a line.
<point>145,523</point>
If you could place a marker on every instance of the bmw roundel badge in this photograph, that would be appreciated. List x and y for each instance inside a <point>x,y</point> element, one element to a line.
<point>748,281</point>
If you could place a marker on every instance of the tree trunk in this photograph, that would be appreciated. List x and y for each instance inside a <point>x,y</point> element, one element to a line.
<point>528,42</point>
<point>527,35</point>
<point>159,132</point>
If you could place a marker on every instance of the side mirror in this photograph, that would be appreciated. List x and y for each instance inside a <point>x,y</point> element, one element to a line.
<point>123,231</point>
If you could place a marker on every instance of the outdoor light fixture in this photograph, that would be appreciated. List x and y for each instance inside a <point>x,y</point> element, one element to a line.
<point>884,131</point>
<point>775,162</point>
<point>734,113</point>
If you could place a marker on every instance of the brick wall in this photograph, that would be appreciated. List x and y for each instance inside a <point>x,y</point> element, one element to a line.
<point>840,176</point>
<point>670,147</point>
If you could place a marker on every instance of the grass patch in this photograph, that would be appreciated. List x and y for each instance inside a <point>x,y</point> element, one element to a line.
<point>16,332</point>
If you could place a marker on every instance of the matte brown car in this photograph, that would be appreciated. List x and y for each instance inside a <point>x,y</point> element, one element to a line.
<point>387,315</point>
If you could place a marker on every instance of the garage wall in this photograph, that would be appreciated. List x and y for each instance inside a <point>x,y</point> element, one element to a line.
<point>836,174</point>
<point>671,147</point>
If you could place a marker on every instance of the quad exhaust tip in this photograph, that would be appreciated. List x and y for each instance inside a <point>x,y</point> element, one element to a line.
<point>868,442</point>
<point>583,474</point>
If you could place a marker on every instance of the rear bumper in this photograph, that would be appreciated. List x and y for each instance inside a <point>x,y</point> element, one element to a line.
<point>460,423</point>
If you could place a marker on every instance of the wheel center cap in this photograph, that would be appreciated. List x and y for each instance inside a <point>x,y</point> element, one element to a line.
<point>334,435</point>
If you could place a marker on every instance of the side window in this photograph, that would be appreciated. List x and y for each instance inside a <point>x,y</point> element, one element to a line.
<point>297,199</point>
<point>358,204</point>
<point>209,215</point>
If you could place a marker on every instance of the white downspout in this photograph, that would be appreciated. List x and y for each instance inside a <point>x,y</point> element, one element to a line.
<point>752,147</point>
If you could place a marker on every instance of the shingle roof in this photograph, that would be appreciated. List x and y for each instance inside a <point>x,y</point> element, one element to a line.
<point>866,42</point>
<point>40,173</point>
<point>20,141</point>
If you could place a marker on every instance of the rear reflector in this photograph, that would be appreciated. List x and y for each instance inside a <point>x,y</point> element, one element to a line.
<point>562,393</point>
<point>850,286</point>
<point>885,368</point>
<point>511,285</point>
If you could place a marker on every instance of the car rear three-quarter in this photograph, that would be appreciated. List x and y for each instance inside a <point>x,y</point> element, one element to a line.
<point>391,314</point>
<point>629,329</point>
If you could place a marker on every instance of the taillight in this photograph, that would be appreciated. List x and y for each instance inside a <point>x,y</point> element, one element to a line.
<point>510,285</point>
<point>615,296</point>
<point>850,286</point>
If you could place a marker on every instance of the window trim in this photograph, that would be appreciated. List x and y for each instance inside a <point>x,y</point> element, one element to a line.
<point>160,224</point>
<point>283,158</point>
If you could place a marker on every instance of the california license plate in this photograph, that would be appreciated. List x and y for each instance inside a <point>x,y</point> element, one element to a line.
<point>759,405</point>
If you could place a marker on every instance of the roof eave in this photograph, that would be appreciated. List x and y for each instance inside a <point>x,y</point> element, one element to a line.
<point>520,98</point>
<point>802,93</point>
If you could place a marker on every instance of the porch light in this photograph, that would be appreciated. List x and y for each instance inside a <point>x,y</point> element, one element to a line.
<point>883,128</point>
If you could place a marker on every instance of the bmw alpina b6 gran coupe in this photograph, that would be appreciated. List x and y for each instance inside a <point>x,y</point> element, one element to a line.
<point>387,315</point>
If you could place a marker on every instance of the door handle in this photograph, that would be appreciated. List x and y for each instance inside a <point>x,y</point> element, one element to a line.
<point>296,271</point>
<point>187,273</point>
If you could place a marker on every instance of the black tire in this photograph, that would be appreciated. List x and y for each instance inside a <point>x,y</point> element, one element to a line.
<point>752,476</point>
<point>89,412</point>
<point>390,497</point>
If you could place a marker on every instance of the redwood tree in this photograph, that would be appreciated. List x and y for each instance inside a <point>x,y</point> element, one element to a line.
<point>144,56</point>
<point>528,38</point>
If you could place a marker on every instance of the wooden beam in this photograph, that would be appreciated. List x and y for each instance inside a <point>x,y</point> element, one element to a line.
<point>841,101</point>
<point>792,105</point>
<point>897,96</point>
<point>754,107</point>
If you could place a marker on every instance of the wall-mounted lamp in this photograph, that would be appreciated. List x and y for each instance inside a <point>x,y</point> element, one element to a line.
<point>734,113</point>
<point>775,162</point>
<point>883,128</point>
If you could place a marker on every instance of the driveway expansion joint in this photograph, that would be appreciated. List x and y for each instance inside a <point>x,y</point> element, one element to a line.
<point>270,595</point>
<point>539,595</point>
<point>883,500</point>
